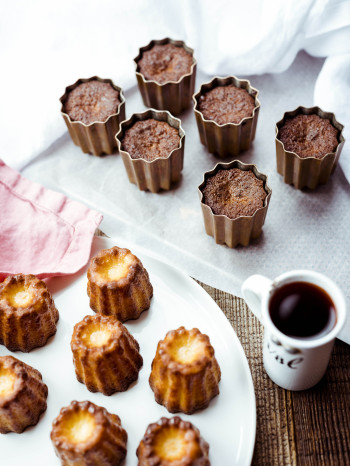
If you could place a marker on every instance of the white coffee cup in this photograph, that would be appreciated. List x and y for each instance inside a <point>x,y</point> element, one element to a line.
<point>293,363</point>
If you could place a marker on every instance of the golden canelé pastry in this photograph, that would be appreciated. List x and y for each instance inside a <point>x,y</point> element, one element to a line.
<point>106,356</point>
<point>118,284</point>
<point>22,395</point>
<point>84,434</point>
<point>28,315</point>
<point>185,374</point>
<point>172,442</point>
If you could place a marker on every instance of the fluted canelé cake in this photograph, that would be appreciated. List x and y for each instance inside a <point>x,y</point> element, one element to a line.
<point>22,395</point>
<point>118,284</point>
<point>106,356</point>
<point>173,442</point>
<point>28,315</point>
<point>84,434</point>
<point>185,374</point>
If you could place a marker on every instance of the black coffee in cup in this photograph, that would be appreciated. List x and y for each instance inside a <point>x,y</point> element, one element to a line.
<point>302,310</point>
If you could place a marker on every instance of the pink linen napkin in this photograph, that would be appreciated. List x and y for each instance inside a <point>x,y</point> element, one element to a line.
<point>41,232</point>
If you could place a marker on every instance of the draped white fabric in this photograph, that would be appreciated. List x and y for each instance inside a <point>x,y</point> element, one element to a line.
<point>48,45</point>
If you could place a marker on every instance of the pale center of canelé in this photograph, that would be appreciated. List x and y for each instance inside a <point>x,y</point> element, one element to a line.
<point>20,295</point>
<point>78,427</point>
<point>96,335</point>
<point>170,444</point>
<point>117,268</point>
<point>7,381</point>
<point>187,349</point>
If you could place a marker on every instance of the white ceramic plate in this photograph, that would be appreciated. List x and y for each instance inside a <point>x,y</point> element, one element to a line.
<point>228,424</point>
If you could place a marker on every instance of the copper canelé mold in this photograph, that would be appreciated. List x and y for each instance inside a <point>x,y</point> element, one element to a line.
<point>174,96</point>
<point>160,173</point>
<point>229,138</point>
<point>240,230</point>
<point>308,172</point>
<point>96,138</point>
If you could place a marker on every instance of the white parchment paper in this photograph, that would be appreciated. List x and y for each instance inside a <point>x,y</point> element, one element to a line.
<point>303,229</point>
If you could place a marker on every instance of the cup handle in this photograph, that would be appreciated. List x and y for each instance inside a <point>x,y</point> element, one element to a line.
<point>253,290</point>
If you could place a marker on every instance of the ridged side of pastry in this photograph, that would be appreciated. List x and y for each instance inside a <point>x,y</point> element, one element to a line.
<point>105,447</point>
<point>26,401</point>
<point>184,387</point>
<point>173,441</point>
<point>28,325</point>
<point>125,298</point>
<point>111,367</point>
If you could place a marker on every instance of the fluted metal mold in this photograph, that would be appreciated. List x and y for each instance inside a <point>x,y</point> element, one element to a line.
<point>240,230</point>
<point>230,138</point>
<point>308,172</point>
<point>97,138</point>
<point>174,96</point>
<point>160,173</point>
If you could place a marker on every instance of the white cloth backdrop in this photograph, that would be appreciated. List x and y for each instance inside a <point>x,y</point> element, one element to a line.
<point>48,45</point>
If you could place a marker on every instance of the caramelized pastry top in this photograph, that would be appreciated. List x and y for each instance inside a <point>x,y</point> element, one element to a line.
<point>114,266</point>
<point>92,101</point>
<point>150,139</point>
<point>98,332</point>
<point>164,63</point>
<point>226,104</point>
<point>234,193</point>
<point>173,441</point>
<point>188,351</point>
<point>309,136</point>
<point>20,292</point>
<point>81,425</point>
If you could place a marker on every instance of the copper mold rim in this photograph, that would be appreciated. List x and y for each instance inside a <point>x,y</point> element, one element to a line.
<point>174,96</point>
<point>307,172</point>
<point>240,230</point>
<point>229,138</point>
<point>160,173</point>
<point>97,138</point>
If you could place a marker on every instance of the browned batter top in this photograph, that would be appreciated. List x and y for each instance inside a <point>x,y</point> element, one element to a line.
<point>309,136</point>
<point>163,63</point>
<point>234,193</point>
<point>150,139</point>
<point>92,101</point>
<point>226,104</point>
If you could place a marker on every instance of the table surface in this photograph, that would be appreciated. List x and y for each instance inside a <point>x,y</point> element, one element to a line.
<point>311,427</point>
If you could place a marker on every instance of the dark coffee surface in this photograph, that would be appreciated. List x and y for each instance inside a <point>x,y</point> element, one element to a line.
<point>150,139</point>
<point>164,63</point>
<point>92,101</point>
<point>226,104</point>
<point>234,193</point>
<point>309,136</point>
<point>302,310</point>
